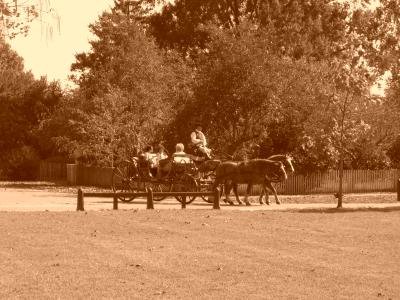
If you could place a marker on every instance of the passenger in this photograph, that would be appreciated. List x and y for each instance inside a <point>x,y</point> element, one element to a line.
<point>161,160</point>
<point>180,156</point>
<point>199,141</point>
<point>161,153</point>
<point>151,158</point>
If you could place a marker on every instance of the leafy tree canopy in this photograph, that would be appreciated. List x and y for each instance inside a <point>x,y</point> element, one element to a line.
<point>16,16</point>
<point>129,91</point>
<point>24,102</point>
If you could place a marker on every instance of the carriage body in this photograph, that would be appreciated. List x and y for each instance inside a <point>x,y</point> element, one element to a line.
<point>136,175</point>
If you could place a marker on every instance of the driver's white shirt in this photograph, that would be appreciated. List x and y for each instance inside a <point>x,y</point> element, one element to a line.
<point>198,138</point>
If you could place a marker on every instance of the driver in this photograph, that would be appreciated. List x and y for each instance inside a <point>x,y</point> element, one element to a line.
<point>199,142</point>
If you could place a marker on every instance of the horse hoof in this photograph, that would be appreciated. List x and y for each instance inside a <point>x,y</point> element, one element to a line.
<point>268,203</point>
<point>278,202</point>
<point>248,204</point>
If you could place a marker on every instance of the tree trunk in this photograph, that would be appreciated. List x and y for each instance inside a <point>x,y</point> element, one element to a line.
<point>341,152</point>
<point>340,193</point>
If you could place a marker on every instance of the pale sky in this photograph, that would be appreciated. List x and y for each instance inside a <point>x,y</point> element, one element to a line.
<point>53,57</point>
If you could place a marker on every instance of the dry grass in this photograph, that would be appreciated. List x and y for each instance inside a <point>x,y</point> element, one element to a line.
<point>200,254</point>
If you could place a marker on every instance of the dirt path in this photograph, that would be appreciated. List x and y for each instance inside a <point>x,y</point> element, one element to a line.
<point>35,199</point>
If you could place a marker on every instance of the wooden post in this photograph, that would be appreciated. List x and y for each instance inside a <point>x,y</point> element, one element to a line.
<point>80,203</point>
<point>183,201</point>
<point>150,199</point>
<point>398,189</point>
<point>115,202</point>
<point>216,198</point>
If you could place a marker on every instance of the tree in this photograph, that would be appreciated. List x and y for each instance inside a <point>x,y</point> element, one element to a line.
<point>342,115</point>
<point>128,92</point>
<point>24,102</point>
<point>15,16</point>
<point>316,29</point>
<point>243,95</point>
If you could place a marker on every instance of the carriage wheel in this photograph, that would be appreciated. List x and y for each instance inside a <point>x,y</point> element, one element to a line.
<point>186,183</point>
<point>160,187</point>
<point>206,183</point>
<point>206,188</point>
<point>122,181</point>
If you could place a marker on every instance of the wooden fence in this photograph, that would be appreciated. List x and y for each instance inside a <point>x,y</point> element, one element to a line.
<point>52,171</point>
<point>89,176</point>
<point>354,181</point>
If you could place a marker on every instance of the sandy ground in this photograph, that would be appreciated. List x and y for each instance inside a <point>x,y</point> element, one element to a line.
<point>41,197</point>
<point>200,254</point>
<point>302,249</point>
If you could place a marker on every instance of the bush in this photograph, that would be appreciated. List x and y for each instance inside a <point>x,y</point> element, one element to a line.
<point>20,164</point>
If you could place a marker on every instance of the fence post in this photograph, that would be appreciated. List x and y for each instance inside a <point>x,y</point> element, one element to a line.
<point>115,202</point>
<point>216,198</point>
<point>150,199</point>
<point>80,203</point>
<point>398,189</point>
<point>183,201</point>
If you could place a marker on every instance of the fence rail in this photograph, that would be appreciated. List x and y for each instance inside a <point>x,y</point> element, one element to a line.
<point>354,181</point>
<point>149,194</point>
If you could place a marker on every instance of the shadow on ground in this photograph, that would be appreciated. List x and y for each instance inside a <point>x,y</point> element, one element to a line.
<point>346,210</point>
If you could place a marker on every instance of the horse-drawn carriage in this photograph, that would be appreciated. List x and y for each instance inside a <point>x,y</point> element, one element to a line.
<point>135,175</point>
<point>191,176</point>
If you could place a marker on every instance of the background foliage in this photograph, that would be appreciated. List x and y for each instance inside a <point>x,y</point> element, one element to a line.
<point>263,77</point>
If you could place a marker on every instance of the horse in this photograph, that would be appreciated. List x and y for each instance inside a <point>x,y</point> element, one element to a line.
<point>209,167</point>
<point>287,162</point>
<point>255,170</point>
<point>285,159</point>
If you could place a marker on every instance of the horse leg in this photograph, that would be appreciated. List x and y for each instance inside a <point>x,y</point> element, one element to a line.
<point>271,187</point>
<point>227,188</point>
<point>249,186</point>
<point>261,195</point>
<point>266,195</point>
<point>235,190</point>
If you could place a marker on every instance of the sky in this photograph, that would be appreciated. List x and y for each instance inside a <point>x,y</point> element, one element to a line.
<point>52,57</point>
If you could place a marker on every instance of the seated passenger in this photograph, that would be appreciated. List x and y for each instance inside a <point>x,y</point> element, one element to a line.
<point>161,153</point>
<point>187,158</point>
<point>151,158</point>
<point>180,156</point>
<point>161,160</point>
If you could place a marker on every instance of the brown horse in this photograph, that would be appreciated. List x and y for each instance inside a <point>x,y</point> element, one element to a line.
<point>208,166</point>
<point>287,162</point>
<point>261,171</point>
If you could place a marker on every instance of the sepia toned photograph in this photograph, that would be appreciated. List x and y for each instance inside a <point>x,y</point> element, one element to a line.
<point>200,149</point>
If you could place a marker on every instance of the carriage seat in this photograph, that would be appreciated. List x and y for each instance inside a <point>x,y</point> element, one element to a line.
<point>182,159</point>
<point>182,163</point>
